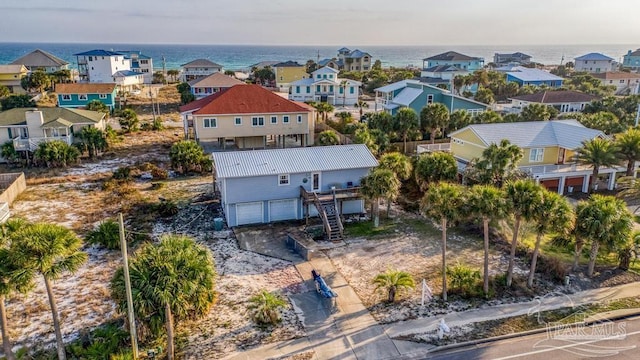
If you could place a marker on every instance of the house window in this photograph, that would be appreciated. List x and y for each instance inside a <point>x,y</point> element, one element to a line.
<point>283,179</point>
<point>297,88</point>
<point>330,88</point>
<point>308,89</point>
<point>536,155</point>
<point>622,81</point>
<point>351,89</point>
<point>238,121</point>
<point>102,96</point>
<point>299,119</point>
<point>430,99</point>
<point>341,90</point>
<point>330,76</point>
<point>274,119</point>
<point>210,123</point>
<point>24,133</point>
<point>319,77</point>
<point>257,121</point>
<point>90,58</point>
<point>317,88</point>
<point>66,97</point>
<point>82,97</point>
<point>285,119</point>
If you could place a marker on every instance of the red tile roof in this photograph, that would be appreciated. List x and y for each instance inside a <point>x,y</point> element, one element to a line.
<point>243,99</point>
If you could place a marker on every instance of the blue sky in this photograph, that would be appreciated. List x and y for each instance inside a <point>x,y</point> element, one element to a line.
<point>326,22</point>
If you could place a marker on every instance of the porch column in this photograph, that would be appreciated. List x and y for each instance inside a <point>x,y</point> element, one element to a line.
<point>561,185</point>
<point>585,184</point>
<point>611,184</point>
<point>537,180</point>
<point>264,141</point>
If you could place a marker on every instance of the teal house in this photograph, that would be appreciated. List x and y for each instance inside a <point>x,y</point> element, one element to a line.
<point>452,58</point>
<point>78,95</point>
<point>417,95</point>
<point>632,60</point>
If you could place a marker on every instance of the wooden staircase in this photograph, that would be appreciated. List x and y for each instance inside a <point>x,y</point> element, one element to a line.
<point>328,211</point>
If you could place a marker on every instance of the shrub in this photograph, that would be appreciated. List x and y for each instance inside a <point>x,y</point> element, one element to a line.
<point>122,173</point>
<point>463,278</point>
<point>159,173</point>
<point>553,267</point>
<point>328,137</point>
<point>129,120</point>
<point>106,234</point>
<point>265,307</point>
<point>8,152</point>
<point>55,154</point>
<point>167,208</point>
<point>187,155</point>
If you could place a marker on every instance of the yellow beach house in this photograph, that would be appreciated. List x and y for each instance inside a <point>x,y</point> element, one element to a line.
<point>10,76</point>
<point>288,72</point>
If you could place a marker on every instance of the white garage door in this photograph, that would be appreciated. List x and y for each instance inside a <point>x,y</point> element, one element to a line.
<point>249,213</point>
<point>283,209</point>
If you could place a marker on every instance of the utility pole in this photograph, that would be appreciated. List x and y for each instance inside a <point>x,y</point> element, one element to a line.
<point>127,282</point>
<point>153,106</point>
<point>164,70</point>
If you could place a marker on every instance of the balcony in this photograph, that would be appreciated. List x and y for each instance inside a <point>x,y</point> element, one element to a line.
<point>31,144</point>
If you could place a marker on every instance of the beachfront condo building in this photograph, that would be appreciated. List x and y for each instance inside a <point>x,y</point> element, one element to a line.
<point>140,63</point>
<point>104,66</point>
<point>325,86</point>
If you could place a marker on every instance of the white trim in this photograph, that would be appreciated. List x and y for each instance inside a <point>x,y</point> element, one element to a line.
<point>102,96</point>
<point>282,177</point>
<point>66,97</point>
<point>295,208</point>
<point>255,121</point>
<point>299,117</point>
<point>272,118</point>
<point>235,120</point>
<point>212,123</point>
<point>539,155</point>
<point>83,97</point>
<point>319,181</point>
<point>285,119</point>
<point>248,203</point>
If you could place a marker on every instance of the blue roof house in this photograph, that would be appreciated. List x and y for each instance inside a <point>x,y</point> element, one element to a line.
<point>526,76</point>
<point>264,186</point>
<point>594,63</point>
<point>416,95</point>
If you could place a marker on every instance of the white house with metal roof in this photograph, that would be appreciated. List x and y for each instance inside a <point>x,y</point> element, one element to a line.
<point>594,63</point>
<point>549,149</point>
<point>263,186</point>
<point>325,86</point>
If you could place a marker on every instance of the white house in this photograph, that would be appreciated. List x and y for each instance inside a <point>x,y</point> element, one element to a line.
<point>199,68</point>
<point>103,66</point>
<point>625,83</point>
<point>325,86</point>
<point>140,63</point>
<point>594,63</point>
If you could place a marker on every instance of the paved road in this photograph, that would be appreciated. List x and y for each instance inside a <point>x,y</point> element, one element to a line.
<point>626,345</point>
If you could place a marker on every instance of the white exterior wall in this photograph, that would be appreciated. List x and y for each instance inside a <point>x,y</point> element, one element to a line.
<point>148,70</point>
<point>622,85</point>
<point>102,68</point>
<point>593,66</point>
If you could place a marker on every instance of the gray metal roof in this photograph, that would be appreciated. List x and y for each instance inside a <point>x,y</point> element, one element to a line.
<point>568,134</point>
<point>236,164</point>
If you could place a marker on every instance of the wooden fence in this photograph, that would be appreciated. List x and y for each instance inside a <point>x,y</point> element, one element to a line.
<point>320,127</point>
<point>12,185</point>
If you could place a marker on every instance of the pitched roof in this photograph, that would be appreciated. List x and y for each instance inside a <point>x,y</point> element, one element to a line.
<point>287,64</point>
<point>396,86</point>
<point>514,55</point>
<point>125,73</point>
<point>130,54</point>
<point>243,99</point>
<point>326,69</point>
<point>215,80</point>
<point>594,57</point>
<point>16,116</point>
<point>527,74</point>
<point>201,62</point>
<point>610,75</point>
<point>40,58</point>
<point>263,64</point>
<point>12,69</point>
<point>633,53</point>
<point>234,164</point>
<point>344,49</point>
<point>451,56</point>
<point>98,52</point>
<point>407,96</point>
<point>85,88</point>
<point>443,68</point>
<point>568,134</point>
<point>557,97</point>
<point>356,54</point>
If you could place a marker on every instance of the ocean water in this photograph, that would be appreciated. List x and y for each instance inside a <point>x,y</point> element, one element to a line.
<point>241,57</point>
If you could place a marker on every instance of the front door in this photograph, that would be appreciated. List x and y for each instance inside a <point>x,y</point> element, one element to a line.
<point>561,152</point>
<point>315,182</point>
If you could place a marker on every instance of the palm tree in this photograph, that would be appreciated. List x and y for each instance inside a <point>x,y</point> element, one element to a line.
<point>361,105</point>
<point>173,73</point>
<point>14,277</point>
<point>394,281</point>
<point>605,220</point>
<point>328,137</point>
<point>174,278</point>
<point>93,140</point>
<point>498,162</point>
<point>400,164</point>
<point>443,202</point>
<point>404,123</point>
<point>265,306</point>
<point>50,250</point>
<point>458,120</point>
<point>597,153</point>
<point>488,203</point>
<point>628,144</point>
<point>434,117</point>
<point>324,109</point>
<point>523,197</point>
<point>379,183</point>
<point>535,112</point>
<point>434,167</point>
<point>553,214</point>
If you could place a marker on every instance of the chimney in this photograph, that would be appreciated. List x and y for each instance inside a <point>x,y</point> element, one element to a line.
<point>34,119</point>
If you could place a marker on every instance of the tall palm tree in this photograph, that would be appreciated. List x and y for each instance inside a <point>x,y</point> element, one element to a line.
<point>434,117</point>
<point>394,281</point>
<point>379,183</point>
<point>597,153</point>
<point>400,164</point>
<point>605,220</point>
<point>172,279</point>
<point>14,277</point>
<point>361,105</point>
<point>488,203</point>
<point>628,144</point>
<point>50,250</point>
<point>523,197</point>
<point>553,214</point>
<point>442,202</point>
<point>405,122</point>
